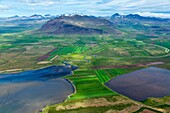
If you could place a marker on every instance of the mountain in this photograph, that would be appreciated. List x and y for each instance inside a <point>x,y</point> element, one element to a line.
<point>77,24</point>
<point>27,18</point>
<point>137,17</point>
<point>141,26</point>
<point>21,23</point>
<point>36,16</point>
<point>116,15</point>
<point>80,24</point>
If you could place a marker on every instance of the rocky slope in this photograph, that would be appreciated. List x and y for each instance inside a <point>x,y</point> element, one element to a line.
<point>78,24</point>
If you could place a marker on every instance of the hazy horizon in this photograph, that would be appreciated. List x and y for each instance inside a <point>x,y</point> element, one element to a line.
<point>155,8</point>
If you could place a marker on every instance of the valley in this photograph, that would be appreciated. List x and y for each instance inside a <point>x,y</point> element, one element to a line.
<point>102,49</point>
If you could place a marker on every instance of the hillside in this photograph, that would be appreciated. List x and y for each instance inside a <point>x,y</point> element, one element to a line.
<point>77,24</point>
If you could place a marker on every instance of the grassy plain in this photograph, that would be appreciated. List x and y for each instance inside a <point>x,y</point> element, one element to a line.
<point>99,58</point>
<point>88,85</point>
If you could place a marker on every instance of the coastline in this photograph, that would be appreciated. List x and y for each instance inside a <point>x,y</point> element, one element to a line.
<point>68,97</point>
<point>43,110</point>
<point>74,88</point>
<point>11,70</point>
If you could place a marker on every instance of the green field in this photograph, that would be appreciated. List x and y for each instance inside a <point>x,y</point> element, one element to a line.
<point>84,79</point>
<point>102,76</point>
<point>163,43</point>
<point>128,48</point>
<point>67,50</point>
<point>115,72</point>
<point>88,85</point>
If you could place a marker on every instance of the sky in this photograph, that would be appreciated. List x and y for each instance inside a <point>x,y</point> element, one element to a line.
<point>160,8</point>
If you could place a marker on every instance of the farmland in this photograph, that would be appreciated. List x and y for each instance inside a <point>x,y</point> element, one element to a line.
<point>119,52</point>
<point>83,80</point>
<point>115,72</point>
<point>92,96</point>
<point>129,49</point>
<point>67,50</point>
<point>99,58</point>
<point>102,76</point>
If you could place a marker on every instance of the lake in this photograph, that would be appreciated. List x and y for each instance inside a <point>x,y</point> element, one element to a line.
<point>37,75</point>
<point>29,91</point>
<point>142,84</point>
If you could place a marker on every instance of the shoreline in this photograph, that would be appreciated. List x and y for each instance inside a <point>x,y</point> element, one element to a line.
<point>11,70</point>
<point>74,88</point>
<point>68,97</point>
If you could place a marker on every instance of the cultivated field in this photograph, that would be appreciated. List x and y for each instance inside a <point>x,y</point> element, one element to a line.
<point>88,85</point>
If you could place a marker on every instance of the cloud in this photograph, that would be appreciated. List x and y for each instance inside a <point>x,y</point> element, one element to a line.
<point>89,7</point>
<point>130,6</point>
<point>164,12</point>
<point>39,2</point>
<point>3,8</point>
<point>162,15</point>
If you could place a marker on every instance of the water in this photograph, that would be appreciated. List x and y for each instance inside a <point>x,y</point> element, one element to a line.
<point>37,75</point>
<point>29,91</point>
<point>31,96</point>
<point>141,84</point>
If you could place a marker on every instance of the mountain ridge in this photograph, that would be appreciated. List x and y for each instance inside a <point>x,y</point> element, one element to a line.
<point>77,24</point>
<point>137,16</point>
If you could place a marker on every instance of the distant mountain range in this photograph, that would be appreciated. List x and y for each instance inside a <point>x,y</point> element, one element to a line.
<point>16,23</point>
<point>138,17</point>
<point>76,24</point>
<point>82,24</point>
<point>25,20</point>
<point>33,17</point>
<point>48,16</point>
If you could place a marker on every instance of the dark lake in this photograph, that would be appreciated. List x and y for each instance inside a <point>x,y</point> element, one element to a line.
<point>37,75</point>
<point>29,91</point>
<point>141,84</point>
